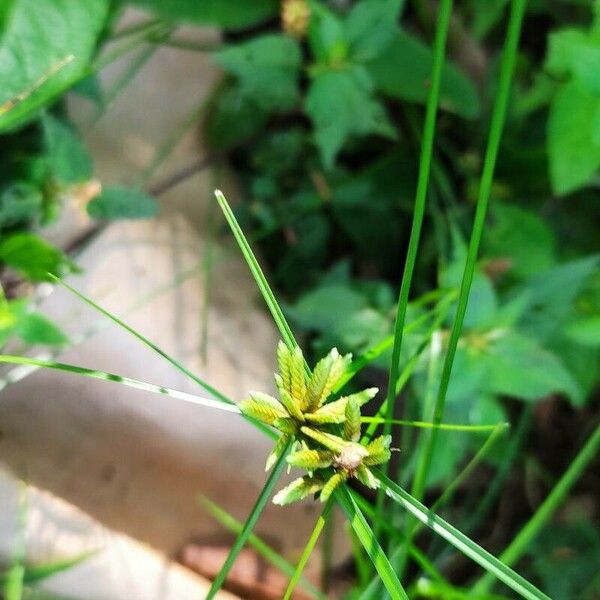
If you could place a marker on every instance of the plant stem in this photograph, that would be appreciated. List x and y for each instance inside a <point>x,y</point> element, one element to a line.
<point>259,277</point>
<point>370,544</point>
<point>418,214</point>
<point>459,540</point>
<point>541,516</point>
<point>310,545</point>
<point>249,524</point>
<point>496,128</point>
<point>270,555</point>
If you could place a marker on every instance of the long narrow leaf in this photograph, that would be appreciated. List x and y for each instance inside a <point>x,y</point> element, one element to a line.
<point>246,530</point>
<point>442,426</point>
<point>439,48</point>
<point>541,516</point>
<point>232,524</point>
<point>460,541</point>
<point>257,273</point>
<point>310,545</point>
<point>497,125</point>
<point>180,367</point>
<point>370,544</point>
<point>127,381</point>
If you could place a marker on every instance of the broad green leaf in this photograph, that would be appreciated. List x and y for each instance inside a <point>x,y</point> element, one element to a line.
<point>326,36</point>
<point>242,13</point>
<point>585,331</point>
<point>34,328</point>
<point>573,52</point>
<point>326,306</point>
<point>122,203</point>
<point>20,202</point>
<point>571,549</point>
<point>518,366</point>
<point>34,258</point>
<point>403,70</point>
<point>69,160</point>
<point>232,119</point>
<point>267,67</point>
<point>45,46</point>
<point>573,146</point>
<point>521,236</point>
<point>341,104</point>
<point>549,297</point>
<point>370,27</point>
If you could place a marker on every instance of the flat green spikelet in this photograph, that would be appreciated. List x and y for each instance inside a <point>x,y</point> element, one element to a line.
<point>263,407</point>
<point>363,396</point>
<point>379,450</point>
<point>328,440</point>
<point>298,490</point>
<point>333,412</point>
<point>352,422</point>
<point>310,459</point>
<point>331,486</point>
<point>284,361</point>
<point>291,406</point>
<point>325,376</point>
<point>364,475</point>
<point>286,425</point>
<point>277,451</point>
<point>298,379</point>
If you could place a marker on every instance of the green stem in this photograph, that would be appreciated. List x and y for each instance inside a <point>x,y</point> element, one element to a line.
<point>460,541</point>
<point>233,525</point>
<point>312,541</point>
<point>419,212</point>
<point>261,280</point>
<point>541,516</point>
<point>496,128</point>
<point>245,532</point>
<point>370,544</point>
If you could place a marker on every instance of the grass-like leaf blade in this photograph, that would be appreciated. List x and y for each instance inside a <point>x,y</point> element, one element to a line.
<point>251,521</point>
<point>460,541</point>
<point>370,544</point>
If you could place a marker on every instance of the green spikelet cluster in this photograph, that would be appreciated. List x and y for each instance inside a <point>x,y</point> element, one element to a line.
<point>305,416</point>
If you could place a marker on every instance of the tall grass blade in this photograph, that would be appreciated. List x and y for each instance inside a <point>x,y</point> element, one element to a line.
<point>439,46</point>
<point>497,125</point>
<point>394,533</point>
<point>270,555</point>
<point>127,381</point>
<point>308,549</point>
<point>246,530</point>
<point>541,516</point>
<point>441,426</point>
<point>20,373</point>
<point>257,273</point>
<point>371,545</point>
<point>174,362</point>
<point>496,128</point>
<point>460,541</point>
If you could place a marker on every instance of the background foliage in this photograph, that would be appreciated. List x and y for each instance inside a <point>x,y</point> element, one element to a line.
<point>320,111</point>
